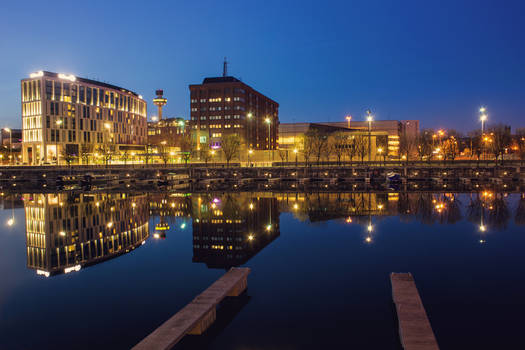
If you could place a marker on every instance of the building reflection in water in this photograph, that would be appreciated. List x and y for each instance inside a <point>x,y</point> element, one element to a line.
<point>228,230</point>
<point>65,232</point>
<point>168,207</point>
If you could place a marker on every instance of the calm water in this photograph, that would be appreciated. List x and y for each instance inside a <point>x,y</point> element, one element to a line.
<point>320,267</point>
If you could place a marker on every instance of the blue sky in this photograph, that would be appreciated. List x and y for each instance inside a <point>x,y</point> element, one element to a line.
<point>436,61</point>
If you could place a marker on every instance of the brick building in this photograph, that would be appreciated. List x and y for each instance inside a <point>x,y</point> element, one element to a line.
<point>224,105</point>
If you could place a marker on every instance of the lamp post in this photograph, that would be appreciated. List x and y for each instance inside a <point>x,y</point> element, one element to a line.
<point>57,132</point>
<point>10,142</point>
<point>250,151</point>
<point>295,151</point>
<point>483,119</point>
<point>369,118</point>
<point>348,119</point>
<point>248,128</point>
<point>269,122</point>
<point>107,126</point>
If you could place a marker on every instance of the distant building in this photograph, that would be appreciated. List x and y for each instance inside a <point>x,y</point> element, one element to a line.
<point>167,131</point>
<point>394,128</point>
<point>12,138</point>
<point>224,105</point>
<point>291,137</point>
<point>62,113</point>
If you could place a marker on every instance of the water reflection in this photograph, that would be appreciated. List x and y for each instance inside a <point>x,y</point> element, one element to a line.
<point>230,229</point>
<point>65,232</point>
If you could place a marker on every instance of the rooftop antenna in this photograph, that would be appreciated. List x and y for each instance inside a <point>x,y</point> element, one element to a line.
<point>225,68</point>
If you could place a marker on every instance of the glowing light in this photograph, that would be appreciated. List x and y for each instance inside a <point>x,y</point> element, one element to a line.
<point>42,272</point>
<point>348,220</point>
<point>268,228</point>
<point>295,150</point>
<point>295,206</point>
<point>250,151</point>
<point>154,118</point>
<point>36,74</point>
<point>69,77</point>
<point>250,237</point>
<point>183,225</point>
<point>62,233</point>
<point>10,222</point>
<point>156,235</point>
<point>368,239</point>
<point>370,228</point>
<point>72,268</point>
<point>110,224</point>
<point>249,115</point>
<point>251,206</point>
<point>482,228</point>
<point>267,121</point>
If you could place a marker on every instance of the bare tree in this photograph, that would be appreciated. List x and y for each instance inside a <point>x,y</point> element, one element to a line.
<point>500,140</point>
<point>450,148</point>
<point>424,144</point>
<point>124,155</point>
<point>230,147</point>
<point>319,143</point>
<point>85,152</point>
<point>407,144</point>
<point>187,147</point>
<point>283,154</point>
<point>308,147</point>
<point>68,156</point>
<point>107,152</point>
<point>520,143</point>
<point>164,154</point>
<point>350,148</point>
<point>205,155</point>
<point>361,146</point>
<point>337,143</point>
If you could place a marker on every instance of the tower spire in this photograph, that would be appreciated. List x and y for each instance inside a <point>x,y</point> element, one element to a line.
<point>225,68</point>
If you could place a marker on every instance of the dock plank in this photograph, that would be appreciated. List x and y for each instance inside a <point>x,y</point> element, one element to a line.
<point>199,310</point>
<point>414,327</point>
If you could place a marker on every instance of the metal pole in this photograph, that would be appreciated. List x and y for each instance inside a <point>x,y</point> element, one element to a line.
<point>11,144</point>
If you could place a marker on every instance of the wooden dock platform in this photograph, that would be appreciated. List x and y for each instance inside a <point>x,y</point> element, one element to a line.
<point>198,315</point>
<point>415,331</point>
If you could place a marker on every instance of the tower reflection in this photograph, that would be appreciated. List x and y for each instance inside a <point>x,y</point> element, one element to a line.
<point>65,232</point>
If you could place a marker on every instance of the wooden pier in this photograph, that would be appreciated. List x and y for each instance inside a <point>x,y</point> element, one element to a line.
<point>415,331</point>
<point>198,315</point>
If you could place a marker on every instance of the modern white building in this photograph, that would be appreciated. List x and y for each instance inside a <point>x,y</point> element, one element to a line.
<point>64,116</point>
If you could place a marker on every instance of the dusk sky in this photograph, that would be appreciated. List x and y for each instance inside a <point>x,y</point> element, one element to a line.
<point>436,61</point>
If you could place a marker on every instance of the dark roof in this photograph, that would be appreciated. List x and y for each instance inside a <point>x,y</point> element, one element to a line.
<point>94,82</point>
<point>220,80</point>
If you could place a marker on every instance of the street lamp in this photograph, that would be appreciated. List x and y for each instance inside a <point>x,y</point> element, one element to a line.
<point>250,151</point>
<point>248,128</point>
<point>483,118</point>
<point>348,119</point>
<point>369,118</point>
<point>10,142</point>
<point>295,151</point>
<point>57,132</point>
<point>269,122</point>
<point>380,151</point>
